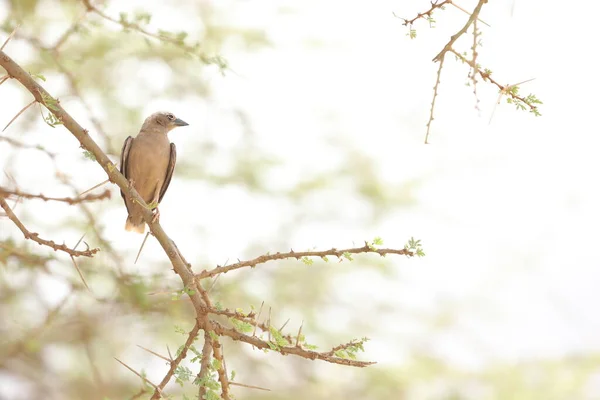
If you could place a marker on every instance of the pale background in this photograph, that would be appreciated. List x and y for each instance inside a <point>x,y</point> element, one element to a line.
<point>507,210</point>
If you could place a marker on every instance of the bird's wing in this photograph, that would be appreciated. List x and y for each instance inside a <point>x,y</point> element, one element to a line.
<point>169,174</point>
<point>124,161</point>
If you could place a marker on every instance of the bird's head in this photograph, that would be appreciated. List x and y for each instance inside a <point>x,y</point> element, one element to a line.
<point>162,121</point>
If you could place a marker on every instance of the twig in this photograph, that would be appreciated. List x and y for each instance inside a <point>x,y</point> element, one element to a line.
<point>222,370</point>
<point>426,13</point>
<point>35,237</point>
<point>69,200</point>
<point>473,71</point>
<point>504,89</point>
<point>435,94</point>
<point>298,255</point>
<point>204,364</point>
<point>458,34</point>
<point>175,363</point>
<point>297,351</point>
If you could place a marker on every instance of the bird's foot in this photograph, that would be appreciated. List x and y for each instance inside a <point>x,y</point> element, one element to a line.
<point>156,215</point>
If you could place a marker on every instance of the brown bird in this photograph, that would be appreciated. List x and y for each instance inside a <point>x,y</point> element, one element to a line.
<point>147,161</point>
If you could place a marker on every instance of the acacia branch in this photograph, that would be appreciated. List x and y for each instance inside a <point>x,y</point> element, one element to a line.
<point>426,14</point>
<point>222,370</point>
<point>458,34</point>
<point>285,350</point>
<point>69,200</point>
<point>175,363</point>
<point>505,89</point>
<point>298,255</point>
<point>204,365</point>
<point>35,236</point>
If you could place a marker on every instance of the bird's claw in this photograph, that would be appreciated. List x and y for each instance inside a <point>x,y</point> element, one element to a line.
<point>156,215</point>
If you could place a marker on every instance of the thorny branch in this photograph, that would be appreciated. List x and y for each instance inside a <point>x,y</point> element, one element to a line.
<point>426,14</point>
<point>454,38</point>
<point>35,236</point>
<point>299,255</point>
<point>162,36</point>
<point>69,200</point>
<point>509,90</point>
<point>503,88</point>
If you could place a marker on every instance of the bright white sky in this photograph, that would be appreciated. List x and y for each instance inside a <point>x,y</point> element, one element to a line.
<point>507,210</point>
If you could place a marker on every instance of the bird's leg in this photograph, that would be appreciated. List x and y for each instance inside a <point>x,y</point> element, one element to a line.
<point>156,215</point>
<point>155,201</point>
<point>130,183</point>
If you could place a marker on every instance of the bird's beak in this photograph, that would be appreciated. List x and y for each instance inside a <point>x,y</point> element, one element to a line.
<point>180,122</point>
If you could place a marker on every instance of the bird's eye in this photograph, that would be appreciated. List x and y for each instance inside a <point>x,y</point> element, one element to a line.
<point>171,117</point>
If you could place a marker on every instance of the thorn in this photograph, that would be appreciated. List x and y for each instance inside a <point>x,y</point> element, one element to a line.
<point>19,113</point>
<point>283,326</point>
<point>299,333</point>
<point>249,386</point>
<point>257,318</point>
<point>141,247</point>
<point>80,274</point>
<point>10,36</point>
<point>79,241</point>
<point>156,354</point>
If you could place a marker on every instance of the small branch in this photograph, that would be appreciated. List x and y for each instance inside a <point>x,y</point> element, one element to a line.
<point>204,364</point>
<point>458,34</point>
<point>504,89</point>
<point>175,363</point>
<point>298,255</point>
<point>35,237</point>
<point>435,94</point>
<point>297,351</point>
<point>426,13</point>
<point>69,200</point>
<point>222,370</point>
<point>473,71</point>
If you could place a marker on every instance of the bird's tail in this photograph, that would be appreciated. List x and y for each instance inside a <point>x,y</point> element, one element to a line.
<point>131,226</point>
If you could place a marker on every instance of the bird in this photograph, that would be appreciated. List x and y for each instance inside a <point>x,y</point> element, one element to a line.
<point>148,161</point>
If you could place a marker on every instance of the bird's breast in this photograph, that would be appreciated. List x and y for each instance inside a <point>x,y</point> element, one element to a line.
<point>147,165</point>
